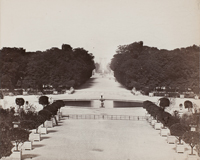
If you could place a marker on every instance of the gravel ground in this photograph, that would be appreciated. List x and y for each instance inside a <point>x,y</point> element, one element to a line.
<point>102,139</point>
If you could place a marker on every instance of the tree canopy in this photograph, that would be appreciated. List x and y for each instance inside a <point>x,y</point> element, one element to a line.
<point>139,66</point>
<point>66,67</point>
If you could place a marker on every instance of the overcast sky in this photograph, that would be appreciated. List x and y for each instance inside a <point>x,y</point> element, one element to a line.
<point>99,26</point>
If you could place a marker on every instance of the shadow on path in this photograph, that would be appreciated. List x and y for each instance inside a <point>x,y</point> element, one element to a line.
<point>37,145</point>
<point>42,138</point>
<point>29,156</point>
<point>52,131</point>
<point>88,84</point>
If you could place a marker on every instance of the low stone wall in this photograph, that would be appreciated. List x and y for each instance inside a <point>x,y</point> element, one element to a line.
<point>78,103</point>
<point>121,104</point>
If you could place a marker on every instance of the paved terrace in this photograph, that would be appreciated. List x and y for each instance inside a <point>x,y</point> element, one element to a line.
<point>103,140</point>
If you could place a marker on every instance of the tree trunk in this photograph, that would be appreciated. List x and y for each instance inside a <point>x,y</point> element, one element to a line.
<point>37,130</point>
<point>16,146</point>
<point>55,119</point>
<point>179,139</point>
<point>192,149</point>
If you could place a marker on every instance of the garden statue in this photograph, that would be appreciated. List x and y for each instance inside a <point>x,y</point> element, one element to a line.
<point>102,100</point>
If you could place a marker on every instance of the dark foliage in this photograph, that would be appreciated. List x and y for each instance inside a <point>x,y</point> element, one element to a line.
<point>21,69</point>
<point>145,68</point>
<point>5,141</point>
<point>19,101</point>
<point>52,108</point>
<point>163,117</point>
<point>191,138</point>
<point>19,136</point>
<point>45,114</point>
<point>44,100</point>
<point>190,119</point>
<point>28,124</point>
<point>31,120</point>
<point>178,130</point>
<point>164,102</point>
<point>60,103</point>
<point>7,117</point>
<point>146,104</point>
<point>6,147</point>
<point>172,120</point>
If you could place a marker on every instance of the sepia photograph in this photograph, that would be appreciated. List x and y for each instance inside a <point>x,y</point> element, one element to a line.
<point>100,79</point>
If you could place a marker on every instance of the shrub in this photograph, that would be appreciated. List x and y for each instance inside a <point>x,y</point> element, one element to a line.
<point>44,100</point>
<point>27,124</point>
<point>163,117</point>
<point>146,104</point>
<point>52,108</point>
<point>191,138</point>
<point>31,120</point>
<point>7,117</point>
<point>60,103</point>
<point>178,130</point>
<point>150,108</point>
<point>164,102</point>
<point>172,120</point>
<point>189,120</point>
<point>19,101</point>
<point>167,119</point>
<point>5,141</point>
<point>155,111</point>
<point>19,136</point>
<point>45,114</point>
<point>6,147</point>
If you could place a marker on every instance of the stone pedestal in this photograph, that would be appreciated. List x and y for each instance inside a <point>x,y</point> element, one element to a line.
<point>36,136</point>
<point>164,132</point>
<point>53,121</point>
<point>180,148</point>
<point>150,119</point>
<point>147,115</point>
<point>43,130</point>
<point>57,117</point>
<point>153,122</point>
<point>27,145</point>
<point>16,155</point>
<point>171,139</point>
<point>48,124</point>
<point>59,114</point>
<point>157,125</point>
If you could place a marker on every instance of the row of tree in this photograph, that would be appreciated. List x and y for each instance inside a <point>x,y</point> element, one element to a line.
<point>146,68</point>
<point>25,121</point>
<point>180,127</point>
<point>66,67</point>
